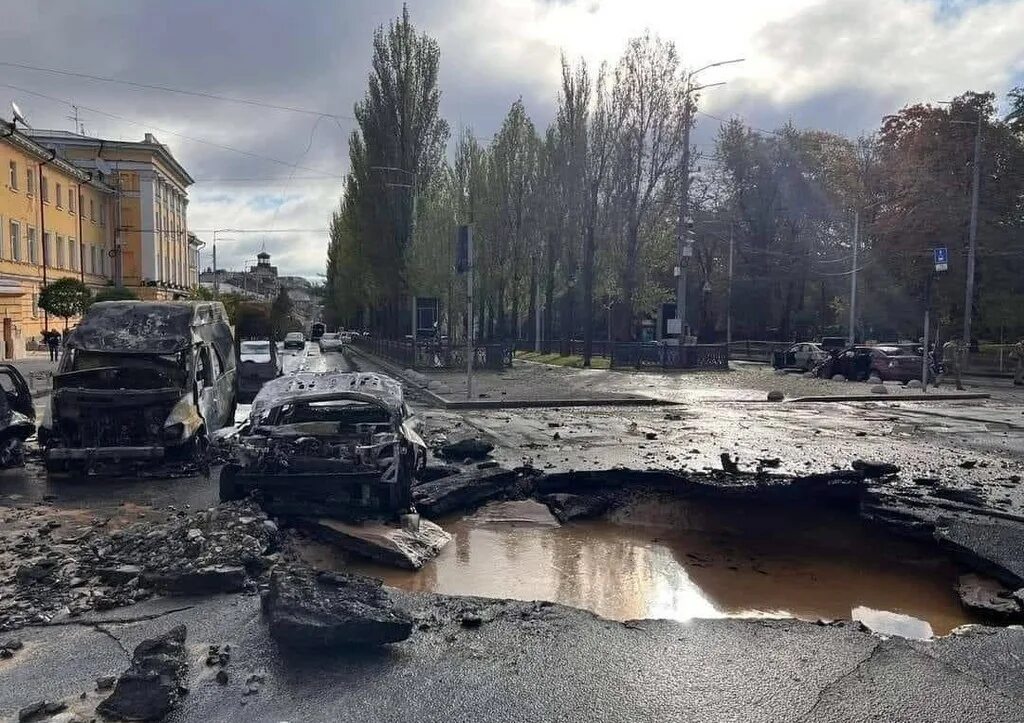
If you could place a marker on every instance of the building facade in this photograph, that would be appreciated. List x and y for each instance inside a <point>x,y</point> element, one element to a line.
<point>154,253</point>
<point>54,222</point>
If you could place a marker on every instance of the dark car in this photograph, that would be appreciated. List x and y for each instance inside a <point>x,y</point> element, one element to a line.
<point>295,340</point>
<point>860,363</point>
<point>17,415</point>
<point>340,444</point>
<point>258,363</point>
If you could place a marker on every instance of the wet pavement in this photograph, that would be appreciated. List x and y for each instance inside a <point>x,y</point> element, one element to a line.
<point>548,662</point>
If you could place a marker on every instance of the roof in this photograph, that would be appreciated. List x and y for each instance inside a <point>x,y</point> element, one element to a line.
<point>10,133</point>
<point>137,327</point>
<point>150,143</point>
<point>321,386</point>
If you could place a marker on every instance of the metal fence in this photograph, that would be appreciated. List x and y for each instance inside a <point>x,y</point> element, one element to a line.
<point>756,351</point>
<point>664,356</point>
<point>431,354</point>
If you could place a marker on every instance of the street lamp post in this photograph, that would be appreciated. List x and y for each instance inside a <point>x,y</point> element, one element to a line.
<point>683,248</point>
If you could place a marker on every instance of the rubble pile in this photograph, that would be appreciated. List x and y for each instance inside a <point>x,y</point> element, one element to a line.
<point>153,683</point>
<point>324,610</point>
<point>43,575</point>
<point>214,550</point>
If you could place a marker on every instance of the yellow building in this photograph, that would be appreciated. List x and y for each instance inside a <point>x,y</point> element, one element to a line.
<point>54,222</point>
<point>154,251</point>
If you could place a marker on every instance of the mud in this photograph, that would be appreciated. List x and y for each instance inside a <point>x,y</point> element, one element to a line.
<point>665,558</point>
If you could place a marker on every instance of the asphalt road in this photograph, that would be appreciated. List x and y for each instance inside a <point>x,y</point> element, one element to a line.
<point>542,662</point>
<point>529,662</point>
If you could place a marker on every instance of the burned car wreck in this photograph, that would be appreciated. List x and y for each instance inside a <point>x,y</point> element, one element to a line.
<point>17,415</point>
<point>338,444</point>
<point>140,381</point>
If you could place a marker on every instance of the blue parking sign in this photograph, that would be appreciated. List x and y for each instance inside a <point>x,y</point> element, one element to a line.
<point>941,258</point>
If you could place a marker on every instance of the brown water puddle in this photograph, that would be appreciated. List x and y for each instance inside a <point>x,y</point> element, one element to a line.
<point>684,560</point>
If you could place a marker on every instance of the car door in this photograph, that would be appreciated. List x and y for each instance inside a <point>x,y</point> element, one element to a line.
<point>800,356</point>
<point>206,389</point>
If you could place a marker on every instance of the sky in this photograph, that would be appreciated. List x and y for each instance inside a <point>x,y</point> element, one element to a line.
<point>276,174</point>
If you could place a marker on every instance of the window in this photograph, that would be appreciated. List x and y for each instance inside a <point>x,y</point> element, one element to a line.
<point>35,305</point>
<point>15,241</point>
<point>60,253</point>
<point>81,205</point>
<point>48,249</point>
<point>71,200</point>
<point>92,210</point>
<point>30,181</point>
<point>32,257</point>
<point>103,213</point>
<point>60,204</point>
<point>44,189</point>
<point>14,175</point>
<point>72,255</point>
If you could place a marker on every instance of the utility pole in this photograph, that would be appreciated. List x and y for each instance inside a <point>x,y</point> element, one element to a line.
<point>728,310</point>
<point>972,236</point>
<point>682,225</point>
<point>852,336</point>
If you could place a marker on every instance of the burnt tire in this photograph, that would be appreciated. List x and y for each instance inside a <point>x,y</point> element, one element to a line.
<point>228,485</point>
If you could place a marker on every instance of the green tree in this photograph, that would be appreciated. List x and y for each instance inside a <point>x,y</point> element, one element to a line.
<point>115,293</point>
<point>65,298</point>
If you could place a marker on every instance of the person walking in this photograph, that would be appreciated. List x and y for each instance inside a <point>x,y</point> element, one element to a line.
<point>1017,354</point>
<point>953,359</point>
<point>52,343</point>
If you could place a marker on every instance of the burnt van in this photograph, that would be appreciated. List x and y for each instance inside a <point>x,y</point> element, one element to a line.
<point>140,381</point>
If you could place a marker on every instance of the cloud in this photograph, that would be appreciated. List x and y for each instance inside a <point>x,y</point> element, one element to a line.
<point>835,64</point>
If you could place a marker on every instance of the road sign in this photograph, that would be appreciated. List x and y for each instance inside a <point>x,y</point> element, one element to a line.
<point>941,258</point>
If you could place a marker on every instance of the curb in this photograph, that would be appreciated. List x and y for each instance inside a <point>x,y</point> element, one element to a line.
<point>445,403</point>
<point>894,397</point>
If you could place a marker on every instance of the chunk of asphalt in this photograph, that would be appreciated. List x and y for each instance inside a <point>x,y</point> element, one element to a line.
<point>150,687</point>
<point>330,611</point>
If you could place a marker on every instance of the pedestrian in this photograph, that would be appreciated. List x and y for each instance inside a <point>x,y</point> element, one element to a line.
<point>953,359</point>
<point>1017,354</point>
<point>53,343</point>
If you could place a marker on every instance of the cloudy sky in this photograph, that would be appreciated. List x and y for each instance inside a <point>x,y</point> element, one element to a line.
<point>834,64</point>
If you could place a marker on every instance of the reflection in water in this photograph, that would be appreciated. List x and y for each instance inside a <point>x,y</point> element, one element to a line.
<point>670,559</point>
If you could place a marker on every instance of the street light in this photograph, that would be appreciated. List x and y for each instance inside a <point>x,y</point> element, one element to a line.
<point>684,243</point>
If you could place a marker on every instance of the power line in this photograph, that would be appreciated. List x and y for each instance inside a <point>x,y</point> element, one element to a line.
<point>169,89</point>
<point>161,130</point>
<point>271,179</point>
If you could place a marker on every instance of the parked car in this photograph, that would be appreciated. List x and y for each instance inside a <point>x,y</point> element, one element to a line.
<point>331,341</point>
<point>859,363</point>
<point>295,340</point>
<point>341,444</point>
<point>316,330</point>
<point>346,337</point>
<point>140,380</point>
<point>805,355</point>
<point>258,363</point>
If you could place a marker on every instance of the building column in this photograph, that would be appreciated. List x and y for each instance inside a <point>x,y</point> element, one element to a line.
<point>149,236</point>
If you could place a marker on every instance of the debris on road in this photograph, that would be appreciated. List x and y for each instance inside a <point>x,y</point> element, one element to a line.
<point>463,491</point>
<point>989,599</point>
<point>153,683</point>
<point>467,448</point>
<point>308,610</point>
<point>873,470</point>
<point>566,507</point>
<point>383,542</point>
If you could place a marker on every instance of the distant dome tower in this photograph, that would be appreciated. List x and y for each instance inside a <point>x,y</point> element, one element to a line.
<point>263,259</point>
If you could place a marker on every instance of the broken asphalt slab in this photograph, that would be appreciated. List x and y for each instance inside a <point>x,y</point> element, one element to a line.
<point>153,683</point>
<point>307,610</point>
<point>463,491</point>
<point>538,661</point>
<point>388,544</point>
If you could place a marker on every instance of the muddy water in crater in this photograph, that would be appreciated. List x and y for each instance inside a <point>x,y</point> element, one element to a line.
<point>662,558</point>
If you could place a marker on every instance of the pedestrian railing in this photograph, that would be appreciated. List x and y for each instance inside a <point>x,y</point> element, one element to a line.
<point>554,346</point>
<point>431,354</point>
<point>656,355</point>
<point>756,351</point>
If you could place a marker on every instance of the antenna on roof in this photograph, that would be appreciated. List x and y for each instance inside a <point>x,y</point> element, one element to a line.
<point>18,117</point>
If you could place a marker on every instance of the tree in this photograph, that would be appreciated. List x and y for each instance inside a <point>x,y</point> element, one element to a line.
<point>280,314</point>
<point>115,293</point>
<point>65,298</point>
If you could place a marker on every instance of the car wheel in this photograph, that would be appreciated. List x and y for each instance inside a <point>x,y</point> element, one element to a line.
<point>227,485</point>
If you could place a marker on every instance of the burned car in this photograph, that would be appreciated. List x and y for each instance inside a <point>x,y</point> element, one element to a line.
<point>140,380</point>
<point>17,415</point>
<point>340,444</point>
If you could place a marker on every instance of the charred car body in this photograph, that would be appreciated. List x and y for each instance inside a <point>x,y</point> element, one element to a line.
<point>140,380</point>
<point>340,444</point>
<point>17,415</point>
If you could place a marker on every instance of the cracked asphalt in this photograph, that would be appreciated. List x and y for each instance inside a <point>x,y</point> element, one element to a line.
<point>546,662</point>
